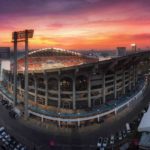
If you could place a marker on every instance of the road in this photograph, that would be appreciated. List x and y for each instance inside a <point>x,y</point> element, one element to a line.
<point>31,133</point>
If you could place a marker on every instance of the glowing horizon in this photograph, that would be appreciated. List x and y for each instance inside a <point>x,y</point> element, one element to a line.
<point>86,24</point>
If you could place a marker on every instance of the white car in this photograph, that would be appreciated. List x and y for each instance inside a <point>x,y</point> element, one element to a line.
<point>112,139</point>
<point>2,129</point>
<point>119,135</point>
<point>105,142</point>
<point>2,134</point>
<point>99,143</point>
<point>124,133</point>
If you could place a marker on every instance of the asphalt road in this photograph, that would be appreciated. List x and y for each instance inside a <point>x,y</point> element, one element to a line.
<point>31,134</point>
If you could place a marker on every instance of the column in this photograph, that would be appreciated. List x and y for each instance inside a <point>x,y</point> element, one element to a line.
<point>46,88</point>
<point>89,91</point>
<point>115,85</point>
<point>74,92</point>
<point>134,75</point>
<point>19,87</point>
<point>124,88</point>
<point>59,92</point>
<point>103,90</point>
<point>35,88</point>
<point>130,79</point>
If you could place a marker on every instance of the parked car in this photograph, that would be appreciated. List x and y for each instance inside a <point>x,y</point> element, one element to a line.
<point>112,139</point>
<point>4,102</point>
<point>124,133</point>
<point>2,129</point>
<point>105,142</point>
<point>15,113</point>
<point>119,136</point>
<point>2,134</point>
<point>128,128</point>
<point>99,143</point>
<point>9,106</point>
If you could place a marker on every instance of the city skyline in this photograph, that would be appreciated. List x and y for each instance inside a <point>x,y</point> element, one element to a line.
<point>77,24</point>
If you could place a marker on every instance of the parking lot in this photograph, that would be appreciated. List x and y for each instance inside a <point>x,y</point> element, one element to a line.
<point>126,135</point>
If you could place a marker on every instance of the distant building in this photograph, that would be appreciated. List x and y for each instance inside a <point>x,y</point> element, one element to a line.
<point>4,65</point>
<point>121,51</point>
<point>4,52</point>
<point>4,60</point>
<point>133,48</point>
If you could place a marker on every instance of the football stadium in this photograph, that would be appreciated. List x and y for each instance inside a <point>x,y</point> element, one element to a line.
<point>68,88</point>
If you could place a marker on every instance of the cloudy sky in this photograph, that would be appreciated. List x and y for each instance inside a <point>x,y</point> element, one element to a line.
<point>77,24</point>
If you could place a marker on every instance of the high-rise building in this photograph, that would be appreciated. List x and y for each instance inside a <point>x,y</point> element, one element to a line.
<point>133,48</point>
<point>121,51</point>
<point>4,60</point>
<point>4,52</point>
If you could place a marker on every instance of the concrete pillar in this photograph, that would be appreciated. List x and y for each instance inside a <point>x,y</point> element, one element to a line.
<point>59,93</point>
<point>124,88</point>
<point>130,79</point>
<point>136,76</point>
<point>98,118</point>
<point>115,111</point>
<point>115,85</point>
<point>89,92</point>
<point>19,85</point>
<point>35,88</point>
<point>74,93</point>
<point>42,119</point>
<point>78,120</point>
<point>46,88</point>
<point>59,122</point>
<point>103,90</point>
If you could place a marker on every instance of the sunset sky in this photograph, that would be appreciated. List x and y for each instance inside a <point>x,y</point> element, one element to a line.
<point>77,24</point>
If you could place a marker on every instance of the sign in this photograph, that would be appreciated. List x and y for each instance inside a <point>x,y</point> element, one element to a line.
<point>22,34</point>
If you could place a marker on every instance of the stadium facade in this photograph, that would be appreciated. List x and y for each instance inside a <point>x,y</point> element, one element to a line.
<point>65,86</point>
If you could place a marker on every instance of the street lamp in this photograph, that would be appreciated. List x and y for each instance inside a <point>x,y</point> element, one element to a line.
<point>78,120</point>
<point>98,115</point>
<point>21,36</point>
<point>59,119</point>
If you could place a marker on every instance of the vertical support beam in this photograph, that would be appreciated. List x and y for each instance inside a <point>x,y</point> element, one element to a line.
<point>134,75</point>
<point>26,75</point>
<point>35,88</point>
<point>115,85</point>
<point>42,118</point>
<point>124,88</point>
<point>103,90</point>
<point>74,92</point>
<point>46,88</point>
<point>115,111</point>
<point>130,79</point>
<point>15,69</point>
<point>98,118</point>
<point>59,92</point>
<point>89,91</point>
<point>19,85</point>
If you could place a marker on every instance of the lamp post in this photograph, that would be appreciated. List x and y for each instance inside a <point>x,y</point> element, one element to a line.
<point>115,107</point>
<point>98,118</point>
<point>21,36</point>
<point>78,120</point>
<point>59,119</point>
